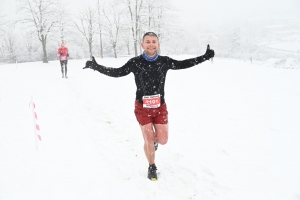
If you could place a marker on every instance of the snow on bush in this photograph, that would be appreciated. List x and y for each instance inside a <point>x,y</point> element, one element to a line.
<point>287,63</point>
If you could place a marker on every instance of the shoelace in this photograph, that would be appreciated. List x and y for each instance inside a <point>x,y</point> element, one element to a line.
<point>152,168</point>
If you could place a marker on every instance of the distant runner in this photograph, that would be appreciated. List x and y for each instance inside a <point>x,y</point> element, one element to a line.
<point>63,54</point>
<point>150,70</point>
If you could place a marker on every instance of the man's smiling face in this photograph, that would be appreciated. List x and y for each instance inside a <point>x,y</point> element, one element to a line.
<point>150,45</point>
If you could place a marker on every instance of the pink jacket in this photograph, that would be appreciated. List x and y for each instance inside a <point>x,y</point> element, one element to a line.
<point>63,53</point>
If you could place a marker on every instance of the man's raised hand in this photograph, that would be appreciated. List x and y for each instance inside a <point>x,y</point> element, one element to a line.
<point>209,53</point>
<point>91,64</point>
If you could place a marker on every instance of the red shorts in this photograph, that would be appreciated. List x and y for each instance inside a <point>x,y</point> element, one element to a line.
<point>151,115</point>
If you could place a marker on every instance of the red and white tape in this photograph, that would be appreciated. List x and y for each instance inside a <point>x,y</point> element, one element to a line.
<point>35,121</point>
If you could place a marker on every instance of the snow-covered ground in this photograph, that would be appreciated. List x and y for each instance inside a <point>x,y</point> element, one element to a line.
<point>287,63</point>
<point>292,46</point>
<point>234,134</point>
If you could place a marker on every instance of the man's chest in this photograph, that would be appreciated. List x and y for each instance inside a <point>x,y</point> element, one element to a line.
<point>151,70</point>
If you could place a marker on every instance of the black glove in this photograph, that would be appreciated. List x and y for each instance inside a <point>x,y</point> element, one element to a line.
<point>67,54</point>
<point>91,64</point>
<point>209,53</point>
<point>61,54</point>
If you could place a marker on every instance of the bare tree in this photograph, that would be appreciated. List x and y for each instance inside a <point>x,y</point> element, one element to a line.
<point>8,43</point>
<point>114,15</point>
<point>161,18</point>
<point>2,17</point>
<point>88,26</point>
<point>100,29</point>
<point>11,43</point>
<point>64,23</point>
<point>42,14</point>
<point>149,15</point>
<point>8,40</point>
<point>2,23</point>
<point>150,7</point>
<point>158,18</point>
<point>127,40</point>
<point>31,46</point>
<point>135,12</point>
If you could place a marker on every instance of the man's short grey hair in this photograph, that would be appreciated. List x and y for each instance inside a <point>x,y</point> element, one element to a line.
<point>150,34</point>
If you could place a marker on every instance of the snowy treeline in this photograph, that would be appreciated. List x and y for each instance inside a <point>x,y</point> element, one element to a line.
<point>115,27</point>
<point>104,27</point>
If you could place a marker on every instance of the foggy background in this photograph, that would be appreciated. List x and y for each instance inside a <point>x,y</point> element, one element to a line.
<point>247,30</point>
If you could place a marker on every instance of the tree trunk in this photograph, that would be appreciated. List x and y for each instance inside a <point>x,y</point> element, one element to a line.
<point>101,46</point>
<point>99,22</point>
<point>128,47</point>
<point>136,27</point>
<point>134,43</point>
<point>45,57</point>
<point>115,50</point>
<point>90,49</point>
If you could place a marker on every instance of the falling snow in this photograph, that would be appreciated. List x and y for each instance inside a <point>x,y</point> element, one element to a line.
<point>234,134</point>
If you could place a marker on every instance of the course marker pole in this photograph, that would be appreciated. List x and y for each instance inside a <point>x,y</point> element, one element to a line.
<point>36,126</point>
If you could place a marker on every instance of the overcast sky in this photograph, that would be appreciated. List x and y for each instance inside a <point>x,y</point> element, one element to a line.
<point>213,13</point>
<point>227,12</point>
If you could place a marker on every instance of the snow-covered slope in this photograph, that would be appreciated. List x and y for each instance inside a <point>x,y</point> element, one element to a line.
<point>234,134</point>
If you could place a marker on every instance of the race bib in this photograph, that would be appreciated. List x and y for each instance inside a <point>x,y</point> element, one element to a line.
<point>151,101</point>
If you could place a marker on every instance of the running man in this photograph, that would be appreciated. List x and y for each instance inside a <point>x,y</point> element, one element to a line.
<point>63,54</point>
<point>150,70</point>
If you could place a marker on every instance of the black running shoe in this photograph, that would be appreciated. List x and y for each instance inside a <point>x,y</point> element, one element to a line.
<point>152,172</point>
<point>155,145</point>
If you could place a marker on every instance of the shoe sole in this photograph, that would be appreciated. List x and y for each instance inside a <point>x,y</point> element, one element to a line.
<point>155,146</point>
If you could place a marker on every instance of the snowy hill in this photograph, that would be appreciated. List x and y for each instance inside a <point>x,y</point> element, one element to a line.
<point>234,134</point>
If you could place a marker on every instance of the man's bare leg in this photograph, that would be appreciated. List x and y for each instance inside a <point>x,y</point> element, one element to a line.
<point>162,131</point>
<point>148,134</point>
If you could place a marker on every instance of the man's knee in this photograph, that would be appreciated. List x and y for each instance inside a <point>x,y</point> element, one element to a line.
<point>162,132</point>
<point>162,140</point>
